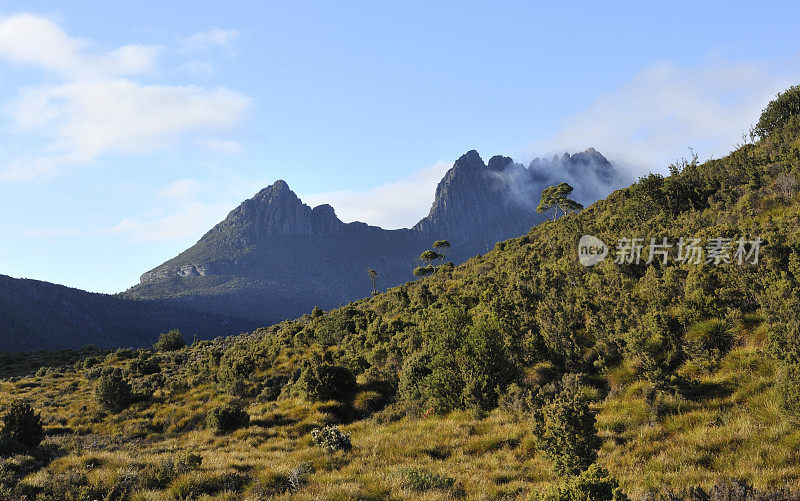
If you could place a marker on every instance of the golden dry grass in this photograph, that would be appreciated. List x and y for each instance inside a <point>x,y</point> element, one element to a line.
<point>728,427</point>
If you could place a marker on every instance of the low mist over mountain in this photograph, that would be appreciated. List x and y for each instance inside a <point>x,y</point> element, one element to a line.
<point>275,257</point>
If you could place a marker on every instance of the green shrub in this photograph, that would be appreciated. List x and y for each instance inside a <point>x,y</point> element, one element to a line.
<point>272,387</point>
<point>331,439</point>
<point>466,365</point>
<point>90,362</point>
<point>444,388</point>
<point>122,354</point>
<point>788,388</point>
<point>421,480</point>
<point>234,372</point>
<point>228,417</point>
<point>144,365</point>
<point>517,400</point>
<point>565,431</point>
<point>113,392</point>
<point>594,484</point>
<point>23,425</point>
<point>485,365</point>
<point>656,346</point>
<point>415,369</point>
<point>94,373</point>
<point>170,341</point>
<point>323,381</point>
<point>785,106</point>
<point>147,385</point>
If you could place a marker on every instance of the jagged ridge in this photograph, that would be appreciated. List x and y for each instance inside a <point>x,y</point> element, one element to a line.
<point>274,257</point>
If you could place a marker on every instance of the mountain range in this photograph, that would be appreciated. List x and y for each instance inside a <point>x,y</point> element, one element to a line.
<point>274,257</point>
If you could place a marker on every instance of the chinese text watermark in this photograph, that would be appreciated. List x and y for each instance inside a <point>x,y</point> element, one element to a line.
<point>716,251</point>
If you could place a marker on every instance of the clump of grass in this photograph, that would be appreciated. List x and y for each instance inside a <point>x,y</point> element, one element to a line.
<point>367,402</point>
<point>196,485</point>
<point>273,483</point>
<point>162,474</point>
<point>422,480</point>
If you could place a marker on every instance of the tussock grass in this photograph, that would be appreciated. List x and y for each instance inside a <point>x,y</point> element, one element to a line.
<point>728,424</point>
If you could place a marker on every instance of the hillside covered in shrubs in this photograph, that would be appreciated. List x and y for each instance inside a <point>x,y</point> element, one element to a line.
<point>519,374</point>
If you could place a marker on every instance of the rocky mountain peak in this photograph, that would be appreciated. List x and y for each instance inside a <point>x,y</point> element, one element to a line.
<point>469,162</point>
<point>274,211</point>
<point>473,201</point>
<point>499,162</point>
<point>275,193</point>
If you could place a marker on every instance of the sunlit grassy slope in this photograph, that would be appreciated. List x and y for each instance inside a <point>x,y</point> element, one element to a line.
<point>730,428</point>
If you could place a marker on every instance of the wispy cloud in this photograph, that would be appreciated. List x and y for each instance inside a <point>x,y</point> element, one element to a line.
<point>210,39</point>
<point>666,108</point>
<point>398,204</point>
<point>98,108</point>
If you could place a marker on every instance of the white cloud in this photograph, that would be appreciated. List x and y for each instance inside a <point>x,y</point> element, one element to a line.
<point>36,41</point>
<point>190,220</point>
<point>98,108</point>
<point>393,205</point>
<point>86,119</point>
<point>666,108</point>
<point>209,39</point>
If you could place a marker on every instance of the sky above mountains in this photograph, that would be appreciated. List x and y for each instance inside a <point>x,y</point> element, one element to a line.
<point>128,130</point>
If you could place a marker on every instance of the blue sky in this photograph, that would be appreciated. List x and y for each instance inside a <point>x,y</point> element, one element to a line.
<point>129,129</point>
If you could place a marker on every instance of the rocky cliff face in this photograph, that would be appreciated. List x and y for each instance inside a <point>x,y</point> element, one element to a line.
<point>275,257</point>
<point>476,202</point>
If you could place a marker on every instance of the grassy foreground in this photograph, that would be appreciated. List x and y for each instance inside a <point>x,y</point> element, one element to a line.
<point>732,428</point>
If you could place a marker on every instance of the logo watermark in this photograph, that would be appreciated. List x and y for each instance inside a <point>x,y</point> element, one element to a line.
<point>591,250</point>
<point>715,251</point>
